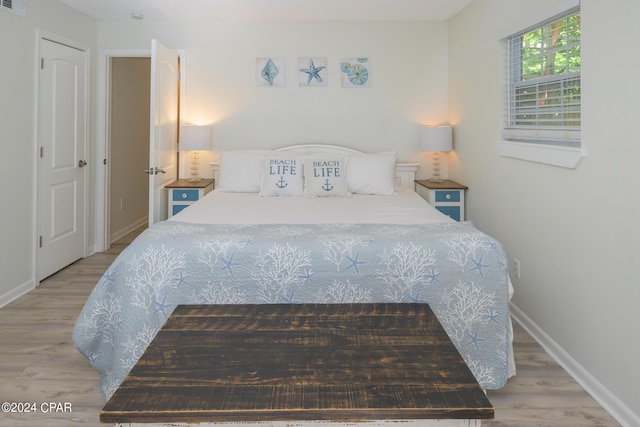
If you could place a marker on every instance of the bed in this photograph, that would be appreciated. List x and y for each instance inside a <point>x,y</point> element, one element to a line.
<point>269,233</point>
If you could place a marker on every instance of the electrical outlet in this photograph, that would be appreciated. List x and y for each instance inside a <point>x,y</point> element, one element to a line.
<point>516,268</point>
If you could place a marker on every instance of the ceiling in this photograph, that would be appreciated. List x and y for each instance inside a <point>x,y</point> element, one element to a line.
<point>261,10</point>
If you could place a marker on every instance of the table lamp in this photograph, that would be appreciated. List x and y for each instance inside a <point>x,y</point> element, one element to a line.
<point>436,139</point>
<point>195,139</point>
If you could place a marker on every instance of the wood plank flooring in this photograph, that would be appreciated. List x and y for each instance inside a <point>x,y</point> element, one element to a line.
<point>40,365</point>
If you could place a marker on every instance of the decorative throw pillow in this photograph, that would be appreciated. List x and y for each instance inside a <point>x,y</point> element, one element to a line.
<point>372,173</point>
<point>241,170</point>
<point>282,176</point>
<point>325,177</point>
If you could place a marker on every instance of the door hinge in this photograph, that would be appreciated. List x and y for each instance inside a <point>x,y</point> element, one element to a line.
<point>40,241</point>
<point>42,63</point>
<point>42,152</point>
<point>104,162</point>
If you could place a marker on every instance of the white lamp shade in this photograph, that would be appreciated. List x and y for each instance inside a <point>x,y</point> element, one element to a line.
<point>195,138</point>
<point>436,138</point>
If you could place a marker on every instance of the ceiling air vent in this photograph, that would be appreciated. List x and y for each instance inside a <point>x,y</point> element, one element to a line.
<point>13,6</point>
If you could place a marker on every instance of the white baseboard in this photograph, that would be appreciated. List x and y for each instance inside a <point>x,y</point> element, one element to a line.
<point>622,413</point>
<point>17,292</point>
<point>123,232</point>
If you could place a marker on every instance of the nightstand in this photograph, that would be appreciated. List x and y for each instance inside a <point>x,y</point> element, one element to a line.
<point>446,196</point>
<point>183,193</point>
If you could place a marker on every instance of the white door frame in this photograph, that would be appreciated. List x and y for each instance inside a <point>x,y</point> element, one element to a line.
<point>103,148</point>
<point>40,35</point>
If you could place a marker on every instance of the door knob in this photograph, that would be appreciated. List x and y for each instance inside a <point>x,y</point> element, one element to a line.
<point>82,163</point>
<point>152,171</point>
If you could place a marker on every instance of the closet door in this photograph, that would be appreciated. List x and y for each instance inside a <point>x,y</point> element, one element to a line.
<point>62,169</point>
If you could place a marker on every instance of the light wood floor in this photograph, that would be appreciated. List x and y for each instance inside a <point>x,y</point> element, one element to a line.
<point>39,363</point>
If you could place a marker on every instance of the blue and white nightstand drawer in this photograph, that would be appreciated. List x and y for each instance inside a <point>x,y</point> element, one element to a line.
<point>448,196</point>
<point>453,212</point>
<point>183,195</point>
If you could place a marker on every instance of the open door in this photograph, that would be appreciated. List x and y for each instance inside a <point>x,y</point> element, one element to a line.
<point>163,150</point>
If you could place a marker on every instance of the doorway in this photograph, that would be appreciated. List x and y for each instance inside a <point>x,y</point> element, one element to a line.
<point>128,145</point>
<point>103,152</point>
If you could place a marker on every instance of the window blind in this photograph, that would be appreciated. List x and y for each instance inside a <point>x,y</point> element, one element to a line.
<point>543,96</point>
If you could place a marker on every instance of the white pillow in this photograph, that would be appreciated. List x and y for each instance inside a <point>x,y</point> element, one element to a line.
<point>325,177</point>
<point>372,173</point>
<point>282,176</point>
<point>241,170</point>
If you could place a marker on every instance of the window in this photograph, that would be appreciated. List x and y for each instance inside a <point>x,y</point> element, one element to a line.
<point>542,81</point>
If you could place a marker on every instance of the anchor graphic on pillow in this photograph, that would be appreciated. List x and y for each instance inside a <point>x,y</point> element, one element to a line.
<point>327,186</point>
<point>281,183</point>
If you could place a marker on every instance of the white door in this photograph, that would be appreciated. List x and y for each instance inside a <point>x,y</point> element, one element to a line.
<point>163,152</point>
<point>62,133</point>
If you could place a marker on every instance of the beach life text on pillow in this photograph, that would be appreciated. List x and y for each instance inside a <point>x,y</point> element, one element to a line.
<point>325,177</point>
<point>282,176</point>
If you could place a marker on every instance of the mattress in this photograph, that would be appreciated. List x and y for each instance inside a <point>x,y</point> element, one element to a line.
<point>404,207</point>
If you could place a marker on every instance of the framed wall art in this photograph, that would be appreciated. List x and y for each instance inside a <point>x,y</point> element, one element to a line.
<point>355,72</point>
<point>270,72</point>
<point>312,71</point>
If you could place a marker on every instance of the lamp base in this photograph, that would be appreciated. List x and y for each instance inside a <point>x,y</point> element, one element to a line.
<point>194,179</point>
<point>434,179</point>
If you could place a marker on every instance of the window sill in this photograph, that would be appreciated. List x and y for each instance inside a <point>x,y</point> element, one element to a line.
<point>565,157</point>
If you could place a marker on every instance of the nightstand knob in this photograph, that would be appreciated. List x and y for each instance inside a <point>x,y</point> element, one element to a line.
<point>448,197</point>
<point>184,195</point>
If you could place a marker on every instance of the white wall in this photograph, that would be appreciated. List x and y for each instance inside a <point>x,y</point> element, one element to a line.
<point>17,134</point>
<point>408,81</point>
<point>575,232</point>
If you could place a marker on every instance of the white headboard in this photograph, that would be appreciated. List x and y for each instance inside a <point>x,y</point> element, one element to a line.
<point>405,172</point>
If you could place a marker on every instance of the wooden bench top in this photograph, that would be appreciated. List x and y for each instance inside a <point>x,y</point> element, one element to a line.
<point>274,362</point>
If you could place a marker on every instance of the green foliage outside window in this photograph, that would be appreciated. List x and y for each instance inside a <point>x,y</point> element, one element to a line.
<point>547,75</point>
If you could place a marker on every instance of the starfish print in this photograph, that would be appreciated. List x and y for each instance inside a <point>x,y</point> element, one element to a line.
<point>433,277</point>
<point>492,316</point>
<point>228,264</point>
<point>181,279</point>
<point>355,262</point>
<point>313,72</point>
<point>474,339</point>
<point>416,298</point>
<point>108,276</point>
<point>162,306</point>
<point>479,265</point>
<point>306,276</point>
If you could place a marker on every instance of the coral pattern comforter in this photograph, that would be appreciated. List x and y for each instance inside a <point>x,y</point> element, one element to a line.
<point>459,271</point>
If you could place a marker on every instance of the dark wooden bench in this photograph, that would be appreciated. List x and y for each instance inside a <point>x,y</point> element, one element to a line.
<point>297,362</point>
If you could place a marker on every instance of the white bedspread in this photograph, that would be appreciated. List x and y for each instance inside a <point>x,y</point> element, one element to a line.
<point>405,207</point>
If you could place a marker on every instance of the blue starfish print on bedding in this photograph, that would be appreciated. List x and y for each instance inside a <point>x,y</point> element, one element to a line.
<point>474,339</point>
<point>306,276</point>
<point>181,279</point>
<point>108,276</point>
<point>416,299</point>
<point>492,316</point>
<point>288,299</point>
<point>162,306</point>
<point>228,264</point>
<point>433,277</point>
<point>478,265</point>
<point>354,263</point>
<point>313,72</point>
